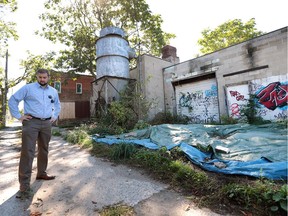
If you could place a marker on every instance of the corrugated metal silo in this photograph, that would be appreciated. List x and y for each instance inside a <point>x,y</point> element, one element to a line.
<point>112,68</point>
<point>113,53</point>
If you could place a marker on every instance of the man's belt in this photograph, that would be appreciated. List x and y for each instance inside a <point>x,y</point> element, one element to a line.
<point>42,119</point>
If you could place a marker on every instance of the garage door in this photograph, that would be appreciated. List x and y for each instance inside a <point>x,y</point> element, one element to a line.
<point>198,101</point>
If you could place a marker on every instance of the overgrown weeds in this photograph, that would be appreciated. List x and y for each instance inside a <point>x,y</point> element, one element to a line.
<point>235,193</point>
<point>265,197</point>
<point>117,210</point>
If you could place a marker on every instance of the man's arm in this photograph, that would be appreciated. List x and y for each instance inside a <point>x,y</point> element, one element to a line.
<point>13,104</point>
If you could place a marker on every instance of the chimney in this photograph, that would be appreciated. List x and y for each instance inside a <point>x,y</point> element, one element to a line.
<point>169,53</point>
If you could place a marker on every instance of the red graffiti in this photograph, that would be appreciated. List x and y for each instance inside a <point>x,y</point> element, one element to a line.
<point>237,95</point>
<point>235,109</point>
<point>273,95</point>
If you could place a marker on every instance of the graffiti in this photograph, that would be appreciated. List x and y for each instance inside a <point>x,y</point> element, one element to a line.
<point>198,119</point>
<point>200,105</point>
<point>185,101</point>
<point>261,112</point>
<point>195,119</point>
<point>211,92</point>
<point>235,110</point>
<point>273,95</point>
<point>281,116</point>
<point>237,95</point>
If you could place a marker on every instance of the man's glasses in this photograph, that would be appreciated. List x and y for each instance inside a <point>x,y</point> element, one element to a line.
<point>50,97</point>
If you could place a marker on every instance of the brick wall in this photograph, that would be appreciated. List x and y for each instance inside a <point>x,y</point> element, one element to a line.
<point>68,87</point>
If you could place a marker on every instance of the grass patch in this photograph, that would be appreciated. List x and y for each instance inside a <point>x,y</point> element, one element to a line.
<point>117,210</point>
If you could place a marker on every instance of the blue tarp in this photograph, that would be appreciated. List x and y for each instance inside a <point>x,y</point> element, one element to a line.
<point>242,149</point>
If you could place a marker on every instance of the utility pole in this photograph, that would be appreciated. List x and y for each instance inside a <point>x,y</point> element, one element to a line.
<point>4,97</point>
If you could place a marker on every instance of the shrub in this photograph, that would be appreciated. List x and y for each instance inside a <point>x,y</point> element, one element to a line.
<point>123,151</point>
<point>77,136</point>
<point>248,112</point>
<point>226,119</point>
<point>168,118</point>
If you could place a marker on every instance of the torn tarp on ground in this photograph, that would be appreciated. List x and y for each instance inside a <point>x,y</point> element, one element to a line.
<point>258,151</point>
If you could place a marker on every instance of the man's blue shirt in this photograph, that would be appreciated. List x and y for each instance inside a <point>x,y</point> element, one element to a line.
<point>40,102</point>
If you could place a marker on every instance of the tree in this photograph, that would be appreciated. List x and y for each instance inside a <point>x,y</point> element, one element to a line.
<point>76,24</point>
<point>33,63</point>
<point>7,31</point>
<point>7,28</point>
<point>227,34</point>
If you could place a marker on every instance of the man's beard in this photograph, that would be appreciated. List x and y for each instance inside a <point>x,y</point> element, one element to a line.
<point>42,84</point>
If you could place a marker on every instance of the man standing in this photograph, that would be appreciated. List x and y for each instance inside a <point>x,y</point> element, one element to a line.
<point>41,109</point>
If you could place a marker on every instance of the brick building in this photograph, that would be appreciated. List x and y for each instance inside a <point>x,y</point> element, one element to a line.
<point>74,93</point>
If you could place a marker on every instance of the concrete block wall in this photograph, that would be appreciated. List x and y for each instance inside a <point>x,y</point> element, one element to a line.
<point>150,76</point>
<point>260,57</point>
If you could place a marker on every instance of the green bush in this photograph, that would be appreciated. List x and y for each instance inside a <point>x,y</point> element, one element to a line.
<point>77,136</point>
<point>123,151</point>
<point>248,112</point>
<point>265,194</point>
<point>168,118</point>
<point>141,124</point>
<point>56,132</point>
<point>226,119</point>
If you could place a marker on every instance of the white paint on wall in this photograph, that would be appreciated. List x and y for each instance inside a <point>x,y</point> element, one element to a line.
<point>237,97</point>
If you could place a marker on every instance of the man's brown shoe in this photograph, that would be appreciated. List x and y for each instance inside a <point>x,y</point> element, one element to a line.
<point>45,177</point>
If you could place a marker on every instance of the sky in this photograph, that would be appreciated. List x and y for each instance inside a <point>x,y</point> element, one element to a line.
<point>185,18</point>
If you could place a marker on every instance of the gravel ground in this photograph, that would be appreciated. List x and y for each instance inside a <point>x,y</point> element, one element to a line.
<point>83,185</point>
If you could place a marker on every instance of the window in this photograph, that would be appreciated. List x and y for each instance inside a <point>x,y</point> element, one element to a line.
<point>57,86</point>
<point>78,88</point>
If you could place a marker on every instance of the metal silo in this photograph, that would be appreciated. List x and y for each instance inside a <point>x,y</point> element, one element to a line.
<point>112,68</point>
<point>113,53</point>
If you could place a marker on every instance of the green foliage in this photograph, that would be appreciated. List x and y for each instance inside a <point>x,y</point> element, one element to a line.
<point>225,119</point>
<point>172,167</point>
<point>280,197</point>
<point>78,136</point>
<point>141,124</point>
<point>248,112</point>
<point>7,32</point>
<point>105,128</point>
<point>187,176</point>
<point>283,123</point>
<point>7,28</point>
<point>77,24</point>
<point>117,210</point>
<point>227,34</point>
<point>168,118</point>
<point>123,151</point>
<point>34,62</point>
<point>264,193</point>
<point>124,114</point>
<point>102,150</point>
<point>56,132</point>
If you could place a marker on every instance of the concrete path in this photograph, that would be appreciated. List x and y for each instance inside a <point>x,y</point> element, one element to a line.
<point>84,185</point>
